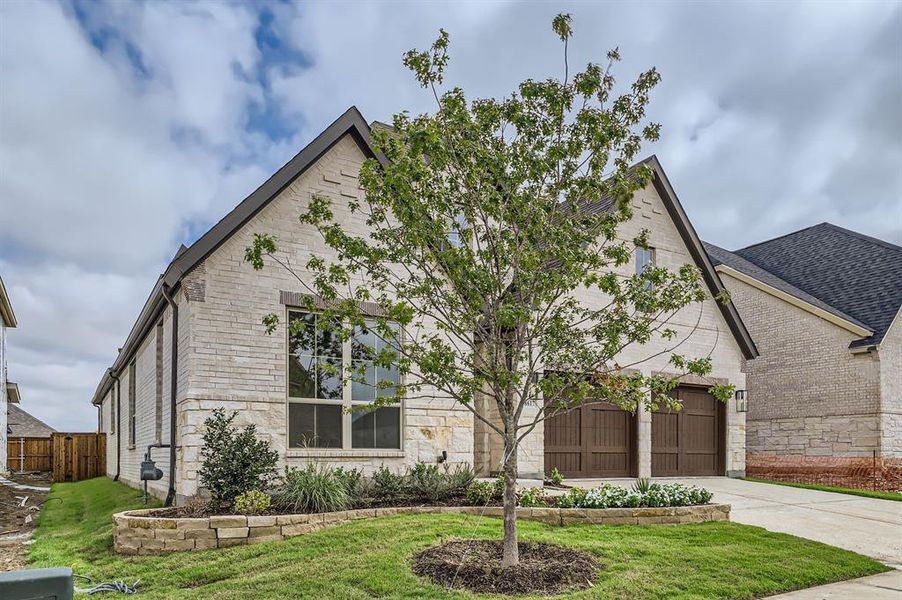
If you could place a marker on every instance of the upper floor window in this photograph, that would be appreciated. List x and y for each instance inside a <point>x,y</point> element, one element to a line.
<point>319,399</point>
<point>456,233</point>
<point>645,258</point>
<point>132,391</point>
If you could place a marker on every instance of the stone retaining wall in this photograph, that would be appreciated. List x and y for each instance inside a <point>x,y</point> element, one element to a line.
<point>135,532</point>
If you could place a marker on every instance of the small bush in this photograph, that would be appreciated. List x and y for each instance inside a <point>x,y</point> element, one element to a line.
<point>253,502</point>
<point>459,479</point>
<point>574,498</point>
<point>426,482</point>
<point>642,485</point>
<point>556,477</point>
<point>480,493</point>
<point>233,461</point>
<point>533,497</point>
<point>312,489</point>
<point>499,485</point>
<point>387,485</point>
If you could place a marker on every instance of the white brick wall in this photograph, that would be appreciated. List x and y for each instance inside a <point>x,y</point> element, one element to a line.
<point>890,355</point>
<point>4,466</point>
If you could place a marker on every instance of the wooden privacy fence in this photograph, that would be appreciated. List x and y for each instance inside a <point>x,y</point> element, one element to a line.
<point>29,454</point>
<point>71,456</point>
<point>78,456</point>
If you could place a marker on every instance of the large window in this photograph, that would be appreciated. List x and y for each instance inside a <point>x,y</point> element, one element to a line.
<point>319,400</point>
<point>645,259</point>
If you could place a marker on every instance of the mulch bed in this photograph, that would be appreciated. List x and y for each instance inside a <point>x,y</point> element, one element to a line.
<point>475,565</point>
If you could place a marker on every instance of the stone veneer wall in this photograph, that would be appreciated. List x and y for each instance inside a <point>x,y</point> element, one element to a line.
<point>135,532</point>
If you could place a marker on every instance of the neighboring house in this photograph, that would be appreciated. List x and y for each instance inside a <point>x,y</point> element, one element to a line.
<point>823,307</point>
<point>211,302</point>
<point>9,392</point>
<point>25,425</point>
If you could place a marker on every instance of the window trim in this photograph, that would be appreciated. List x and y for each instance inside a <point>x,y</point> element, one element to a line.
<point>346,448</point>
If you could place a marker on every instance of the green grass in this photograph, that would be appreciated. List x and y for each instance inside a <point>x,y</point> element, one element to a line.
<point>896,496</point>
<point>370,558</point>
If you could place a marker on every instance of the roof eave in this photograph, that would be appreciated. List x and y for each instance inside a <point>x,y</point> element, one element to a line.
<point>12,393</point>
<point>846,324</point>
<point>701,258</point>
<point>6,309</point>
<point>350,122</point>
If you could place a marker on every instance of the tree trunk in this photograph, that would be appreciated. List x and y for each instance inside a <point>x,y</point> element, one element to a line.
<point>511,553</point>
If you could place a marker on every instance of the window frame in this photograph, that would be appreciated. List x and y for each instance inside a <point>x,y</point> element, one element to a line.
<point>345,402</point>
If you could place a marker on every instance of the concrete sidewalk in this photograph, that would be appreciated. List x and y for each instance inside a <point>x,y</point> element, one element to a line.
<point>886,586</point>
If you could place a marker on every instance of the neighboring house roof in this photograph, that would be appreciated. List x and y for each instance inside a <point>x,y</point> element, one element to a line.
<point>854,275</point>
<point>724,258</point>
<point>23,424</point>
<point>6,310</point>
<point>352,122</point>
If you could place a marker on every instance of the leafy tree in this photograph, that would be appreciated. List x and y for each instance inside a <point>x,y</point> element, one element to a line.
<point>488,220</point>
<point>233,461</point>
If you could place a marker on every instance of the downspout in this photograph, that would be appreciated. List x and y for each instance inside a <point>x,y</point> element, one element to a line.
<point>173,388</point>
<point>115,376</point>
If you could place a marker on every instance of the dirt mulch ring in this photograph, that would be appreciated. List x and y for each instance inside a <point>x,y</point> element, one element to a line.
<point>475,565</point>
<point>17,520</point>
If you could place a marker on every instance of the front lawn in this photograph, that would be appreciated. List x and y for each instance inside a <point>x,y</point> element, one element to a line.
<point>896,496</point>
<point>370,558</point>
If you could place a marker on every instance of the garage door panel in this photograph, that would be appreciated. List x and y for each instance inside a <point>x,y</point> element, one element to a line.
<point>688,441</point>
<point>595,440</point>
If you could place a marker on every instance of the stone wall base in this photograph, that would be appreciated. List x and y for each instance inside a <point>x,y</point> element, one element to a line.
<point>135,532</point>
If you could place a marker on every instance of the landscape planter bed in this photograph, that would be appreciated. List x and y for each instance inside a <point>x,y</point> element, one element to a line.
<point>141,532</point>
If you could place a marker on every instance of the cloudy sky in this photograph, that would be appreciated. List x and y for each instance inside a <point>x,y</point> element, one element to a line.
<point>129,128</point>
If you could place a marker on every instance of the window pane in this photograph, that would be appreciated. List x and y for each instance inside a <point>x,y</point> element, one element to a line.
<point>377,429</point>
<point>328,340</point>
<point>314,425</point>
<point>364,342</point>
<point>302,340</point>
<point>363,430</point>
<point>301,377</point>
<point>387,375</point>
<point>328,374</point>
<point>362,392</point>
<point>388,428</point>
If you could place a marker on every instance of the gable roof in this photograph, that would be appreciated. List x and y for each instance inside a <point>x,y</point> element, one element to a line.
<point>23,424</point>
<point>700,256</point>
<point>351,122</point>
<point>738,267</point>
<point>854,274</point>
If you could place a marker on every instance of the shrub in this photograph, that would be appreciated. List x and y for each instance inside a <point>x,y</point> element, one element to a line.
<point>312,489</point>
<point>642,485</point>
<point>387,485</point>
<point>426,482</point>
<point>574,498</point>
<point>531,497</point>
<point>253,502</point>
<point>480,493</point>
<point>499,486</point>
<point>556,477</point>
<point>459,479</point>
<point>233,461</point>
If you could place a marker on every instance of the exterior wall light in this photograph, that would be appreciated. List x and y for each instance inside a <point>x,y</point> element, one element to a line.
<point>742,403</point>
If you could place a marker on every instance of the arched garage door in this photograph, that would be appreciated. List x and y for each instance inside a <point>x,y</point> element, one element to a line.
<point>594,440</point>
<point>690,441</point>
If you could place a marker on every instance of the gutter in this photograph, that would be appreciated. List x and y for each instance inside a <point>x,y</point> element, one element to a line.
<point>173,388</point>
<point>115,376</point>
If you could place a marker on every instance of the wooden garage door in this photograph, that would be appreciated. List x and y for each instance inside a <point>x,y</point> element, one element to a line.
<point>690,441</point>
<point>595,440</point>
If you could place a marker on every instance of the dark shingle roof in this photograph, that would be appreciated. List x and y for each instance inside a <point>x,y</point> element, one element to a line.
<point>719,256</point>
<point>22,424</point>
<point>857,275</point>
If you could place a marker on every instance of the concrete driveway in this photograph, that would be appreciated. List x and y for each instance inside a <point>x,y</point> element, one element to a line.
<point>863,525</point>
